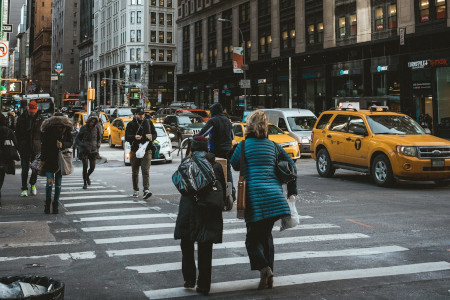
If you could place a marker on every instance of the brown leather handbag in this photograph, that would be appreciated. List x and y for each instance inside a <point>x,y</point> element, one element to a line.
<point>242,186</point>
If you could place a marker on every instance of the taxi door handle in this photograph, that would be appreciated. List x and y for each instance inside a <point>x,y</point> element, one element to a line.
<point>348,139</point>
<point>329,136</point>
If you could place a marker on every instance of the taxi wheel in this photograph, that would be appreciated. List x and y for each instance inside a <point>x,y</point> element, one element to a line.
<point>323,164</point>
<point>110,143</point>
<point>382,171</point>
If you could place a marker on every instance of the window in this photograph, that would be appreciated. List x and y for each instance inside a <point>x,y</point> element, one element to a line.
<point>153,18</point>
<point>153,54</point>
<point>244,12</point>
<point>339,123</point>
<point>132,54</point>
<point>169,3</point>
<point>353,24</point>
<point>424,7</point>
<point>392,19</point>
<point>342,27</point>
<point>161,3</point>
<point>320,33</point>
<point>161,19</point>
<point>310,34</point>
<point>132,17</point>
<point>161,55</point>
<point>237,130</point>
<point>133,2</point>
<point>161,37</point>
<point>323,121</point>
<point>138,53</point>
<point>169,55</point>
<point>169,19</point>
<point>153,36</point>
<point>139,17</point>
<point>441,9</point>
<point>264,7</point>
<point>153,2</point>
<point>282,124</point>
<point>379,22</point>
<point>211,24</point>
<point>169,38</point>
<point>132,36</point>
<point>138,38</point>
<point>212,53</point>
<point>355,122</point>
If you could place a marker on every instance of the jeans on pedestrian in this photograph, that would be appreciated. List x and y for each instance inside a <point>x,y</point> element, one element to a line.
<point>259,244</point>
<point>204,263</point>
<point>57,177</point>
<point>25,163</point>
<point>144,164</point>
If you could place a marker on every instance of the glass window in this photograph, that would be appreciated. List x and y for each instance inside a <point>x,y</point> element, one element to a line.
<point>132,17</point>
<point>138,53</point>
<point>424,7</point>
<point>169,3</point>
<point>161,19</point>
<point>153,18</point>
<point>379,22</point>
<point>441,9</point>
<point>320,33</point>
<point>339,123</point>
<point>153,54</point>
<point>132,36</point>
<point>301,123</point>
<point>138,37</point>
<point>161,37</point>
<point>394,124</point>
<point>132,57</point>
<point>282,124</point>
<point>443,95</point>
<point>169,38</point>
<point>392,16</point>
<point>153,36</point>
<point>353,24</point>
<point>237,130</point>
<point>323,121</point>
<point>169,55</point>
<point>272,129</point>
<point>342,27</point>
<point>355,122</point>
<point>169,19</point>
<point>161,55</point>
<point>311,34</point>
<point>161,2</point>
<point>139,17</point>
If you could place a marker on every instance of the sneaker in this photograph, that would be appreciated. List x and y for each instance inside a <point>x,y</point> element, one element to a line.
<point>24,193</point>
<point>88,181</point>
<point>33,190</point>
<point>147,194</point>
<point>135,194</point>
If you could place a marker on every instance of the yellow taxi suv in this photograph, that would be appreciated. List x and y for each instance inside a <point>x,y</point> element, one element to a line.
<point>387,145</point>
<point>117,131</point>
<point>289,144</point>
<point>82,117</point>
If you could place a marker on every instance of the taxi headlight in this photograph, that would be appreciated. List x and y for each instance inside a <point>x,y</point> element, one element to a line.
<point>293,143</point>
<point>305,140</point>
<point>407,150</point>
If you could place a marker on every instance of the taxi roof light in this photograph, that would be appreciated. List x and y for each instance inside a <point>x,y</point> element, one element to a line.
<point>378,108</point>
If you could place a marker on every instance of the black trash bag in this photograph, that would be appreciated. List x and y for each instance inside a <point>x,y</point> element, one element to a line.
<point>56,293</point>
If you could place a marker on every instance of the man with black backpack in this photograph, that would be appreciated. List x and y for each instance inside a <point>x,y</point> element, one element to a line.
<point>136,134</point>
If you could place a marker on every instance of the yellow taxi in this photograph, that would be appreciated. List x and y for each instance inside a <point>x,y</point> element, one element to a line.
<point>81,119</point>
<point>289,144</point>
<point>117,131</point>
<point>386,145</point>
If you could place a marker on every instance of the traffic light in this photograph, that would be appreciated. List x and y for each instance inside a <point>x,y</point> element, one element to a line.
<point>103,83</point>
<point>91,94</point>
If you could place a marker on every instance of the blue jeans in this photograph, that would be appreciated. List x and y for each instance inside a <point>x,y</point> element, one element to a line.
<point>48,188</point>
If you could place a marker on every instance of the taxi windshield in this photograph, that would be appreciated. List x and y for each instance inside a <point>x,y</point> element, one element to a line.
<point>185,120</point>
<point>274,130</point>
<point>393,124</point>
<point>301,123</point>
<point>160,132</point>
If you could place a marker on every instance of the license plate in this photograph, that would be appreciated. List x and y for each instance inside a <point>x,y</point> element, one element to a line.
<point>437,163</point>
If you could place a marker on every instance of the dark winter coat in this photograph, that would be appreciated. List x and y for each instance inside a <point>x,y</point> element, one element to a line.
<point>141,128</point>
<point>28,134</point>
<point>199,224</point>
<point>219,130</point>
<point>54,129</point>
<point>7,134</point>
<point>265,198</point>
<point>89,140</point>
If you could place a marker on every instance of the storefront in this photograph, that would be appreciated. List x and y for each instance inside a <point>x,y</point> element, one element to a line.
<point>347,79</point>
<point>313,86</point>
<point>386,81</point>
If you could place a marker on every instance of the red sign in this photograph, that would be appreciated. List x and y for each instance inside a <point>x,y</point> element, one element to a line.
<point>238,59</point>
<point>438,62</point>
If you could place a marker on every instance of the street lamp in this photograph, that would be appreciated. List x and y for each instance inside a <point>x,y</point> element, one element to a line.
<point>244,66</point>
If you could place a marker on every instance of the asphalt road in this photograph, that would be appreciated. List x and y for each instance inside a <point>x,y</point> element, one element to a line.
<point>355,240</point>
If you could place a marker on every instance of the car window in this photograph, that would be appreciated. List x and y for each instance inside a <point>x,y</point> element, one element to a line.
<point>323,121</point>
<point>160,132</point>
<point>274,130</point>
<point>237,130</point>
<point>301,123</point>
<point>339,123</point>
<point>116,123</point>
<point>282,124</point>
<point>125,112</point>
<point>103,118</point>
<point>167,120</point>
<point>394,124</point>
<point>355,122</point>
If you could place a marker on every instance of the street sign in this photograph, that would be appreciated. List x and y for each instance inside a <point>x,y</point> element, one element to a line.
<point>245,83</point>
<point>128,86</point>
<point>62,74</point>
<point>238,59</point>
<point>402,33</point>
<point>58,67</point>
<point>15,87</point>
<point>7,28</point>
<point>54,77</point>
<point>4,49</point>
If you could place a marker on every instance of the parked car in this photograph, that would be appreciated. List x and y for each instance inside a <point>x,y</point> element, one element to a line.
<point>81,118</point>
<point>297,122</point>
<point>118,128</point>
<point>163,139</point>
<point>183,126</point>
<point>275,134</point>
<point>387,145</point>
<point>201,112</point>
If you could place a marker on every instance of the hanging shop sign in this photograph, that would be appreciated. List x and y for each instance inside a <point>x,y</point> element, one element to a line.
<point>421,85</point>
<point>343,72</point>
<point>421,64</point>
<point>238,59</point>
<point>382,68</point>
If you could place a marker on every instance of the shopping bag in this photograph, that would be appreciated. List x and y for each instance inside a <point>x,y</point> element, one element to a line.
<point>141,151</point>
<point>65,161</point>
<point>292,220</point>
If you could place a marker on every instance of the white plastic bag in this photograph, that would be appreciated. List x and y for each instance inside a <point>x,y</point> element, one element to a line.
<point>292,220</point>
<point>141,151</point>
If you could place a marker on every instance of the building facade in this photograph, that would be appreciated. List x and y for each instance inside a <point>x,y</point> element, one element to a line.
<point>387,52</point>
<point>22,63</point>
<point>134,52</point>
<point>86,45</point>
<point>65,39</point>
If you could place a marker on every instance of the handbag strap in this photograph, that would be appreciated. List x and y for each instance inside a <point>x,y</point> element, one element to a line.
<point>242,163</point>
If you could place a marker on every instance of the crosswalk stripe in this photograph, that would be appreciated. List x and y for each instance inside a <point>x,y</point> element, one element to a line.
<point>289,280</point>
<point>278,257</point>
<point>228,231</point>
<point>41,244</point>
<point>240,244</point>
<point>108,196</point>
<point>108,210</point>
<point>79,188</point>
<point>127,217</point>
<point>62,256</point>
<point>104,203</point>
<point>128,227</point>
<point>89,192</point>
<point>63,184</point>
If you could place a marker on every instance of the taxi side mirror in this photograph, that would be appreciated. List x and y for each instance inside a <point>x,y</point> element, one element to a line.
<point>360,131</point>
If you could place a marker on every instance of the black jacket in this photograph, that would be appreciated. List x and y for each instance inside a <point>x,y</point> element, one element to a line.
<point>7,134</point>
<point>28,134</point>
<point>219,130</point>
<point>141,128</point>
<point>89,140</point>
<point>200,224</point>
<point>51,133</point>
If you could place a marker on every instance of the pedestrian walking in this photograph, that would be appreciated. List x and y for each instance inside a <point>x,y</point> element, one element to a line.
<point>199,224</point>
<point>56,136</point>
<point>138,132</point>
<point>12,120</point>
<point>220,132</point>
<point>28,134</point>
<point>265,200</point>
<point>7,165</point>
<point>89,140</point>
<point>75,148</point>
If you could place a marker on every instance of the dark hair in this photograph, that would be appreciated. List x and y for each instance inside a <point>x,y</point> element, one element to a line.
<point>3,120</point>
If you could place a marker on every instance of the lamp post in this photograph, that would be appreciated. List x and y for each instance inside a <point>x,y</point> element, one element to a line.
<point>244,66</point>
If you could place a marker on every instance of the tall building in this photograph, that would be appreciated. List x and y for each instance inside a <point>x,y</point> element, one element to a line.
<point>366,51</point>
<point>85,44</point>
<point>39,22</point>
<point>15,18</point>
<point>66,30</point>
<point>134,52</point>
<point>22,64</point>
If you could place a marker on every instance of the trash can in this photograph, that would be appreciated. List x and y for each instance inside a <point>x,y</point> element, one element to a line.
<point>56,287</point>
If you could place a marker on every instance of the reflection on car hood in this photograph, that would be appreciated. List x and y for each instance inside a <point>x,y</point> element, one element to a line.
<point>280,138</point>
<point>413,140</point>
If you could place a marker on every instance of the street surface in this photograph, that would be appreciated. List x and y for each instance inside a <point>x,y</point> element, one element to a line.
<point>355,241</point>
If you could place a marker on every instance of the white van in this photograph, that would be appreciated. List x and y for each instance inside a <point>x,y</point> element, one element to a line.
<point>297,122</point>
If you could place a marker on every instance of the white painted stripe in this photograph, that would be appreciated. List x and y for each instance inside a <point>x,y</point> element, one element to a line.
<point>289,280</point>
<point>128,227</point>
<point>228,231</point>
<point>83,197</point>
<point>63,242</point>
<point>241,244</point>
<point>110,210</point>
<point>230,221</point>
<point>76,183</point>
<point>89,192</point>
<point>278,257</point>
<point>79,188</point>
<point>62,256</point>
<point>127,217</point>
<point>103,203</point>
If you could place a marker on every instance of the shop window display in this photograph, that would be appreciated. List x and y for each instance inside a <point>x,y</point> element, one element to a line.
<point>379,21</point>
<point>424,7</point>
